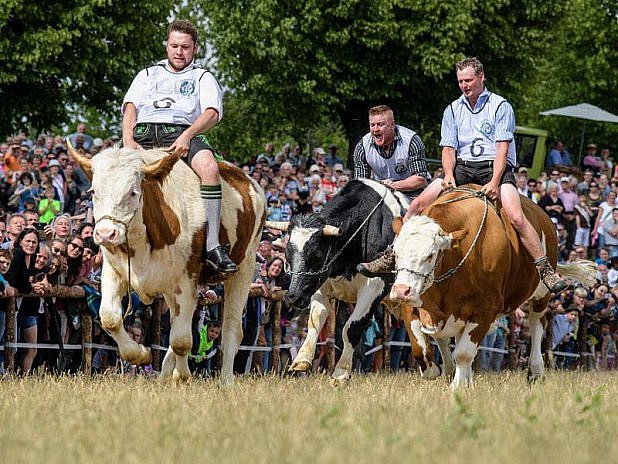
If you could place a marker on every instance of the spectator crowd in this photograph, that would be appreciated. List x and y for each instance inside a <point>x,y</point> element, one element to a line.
<point>46,229</point>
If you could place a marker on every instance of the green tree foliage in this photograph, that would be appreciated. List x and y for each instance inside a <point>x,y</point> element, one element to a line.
<point>579,65</point>
<point>55,55</point>
<point>300,60</point>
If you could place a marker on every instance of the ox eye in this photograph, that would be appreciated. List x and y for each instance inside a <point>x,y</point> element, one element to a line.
<point>134,192</point>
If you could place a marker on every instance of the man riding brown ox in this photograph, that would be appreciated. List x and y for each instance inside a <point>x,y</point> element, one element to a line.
<point>462,263</point>
<point>150,224</point>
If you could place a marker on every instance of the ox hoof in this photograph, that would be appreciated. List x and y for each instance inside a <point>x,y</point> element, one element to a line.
<point>180,377</point>
<point>299,367</point>
<point>340,380</point>
<point>534,378</point>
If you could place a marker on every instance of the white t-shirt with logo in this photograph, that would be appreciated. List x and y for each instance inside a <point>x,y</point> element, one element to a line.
<point>163,96</point>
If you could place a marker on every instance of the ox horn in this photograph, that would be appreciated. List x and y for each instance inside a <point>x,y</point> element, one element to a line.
<point>331,230</point>
<point>278,225</point>
<point>160,168</point>
<point>85,163</point>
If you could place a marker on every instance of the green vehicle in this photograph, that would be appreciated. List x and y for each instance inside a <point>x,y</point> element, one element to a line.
<point>531,146</point>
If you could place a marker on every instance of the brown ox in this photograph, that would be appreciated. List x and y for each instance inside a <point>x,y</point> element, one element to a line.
<point>470,270</point>
<point>150,223</point>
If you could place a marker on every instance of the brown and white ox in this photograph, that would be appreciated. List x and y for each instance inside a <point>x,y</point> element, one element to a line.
<point>150,221</point>
<point>491,274</point>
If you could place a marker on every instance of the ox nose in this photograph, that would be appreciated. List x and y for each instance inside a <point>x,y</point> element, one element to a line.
<point>401,292</point>
<point>105,234</point>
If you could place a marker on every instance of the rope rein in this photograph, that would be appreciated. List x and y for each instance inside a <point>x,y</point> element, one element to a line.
<point>470,193</point>
<point>329,261</point>
<point>126,226</point>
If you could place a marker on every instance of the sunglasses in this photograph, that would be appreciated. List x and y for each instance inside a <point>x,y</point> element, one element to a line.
<point>75,245</point>
<point>554,173</point>
<point>58,251</point>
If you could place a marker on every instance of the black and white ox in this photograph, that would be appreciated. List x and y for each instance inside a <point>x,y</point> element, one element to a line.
<point>323,251</point>
<point>150,223</point>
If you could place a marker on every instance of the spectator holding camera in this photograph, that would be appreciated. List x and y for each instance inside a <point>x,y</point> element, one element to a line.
<point>27,273</point>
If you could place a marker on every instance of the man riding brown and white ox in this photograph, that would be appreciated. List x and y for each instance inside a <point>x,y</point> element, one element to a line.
<point>462,263</point>
<point>150,223</point>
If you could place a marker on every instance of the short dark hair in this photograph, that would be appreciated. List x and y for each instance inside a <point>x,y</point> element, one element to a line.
<point>471,62</point>
<point>184,26</point>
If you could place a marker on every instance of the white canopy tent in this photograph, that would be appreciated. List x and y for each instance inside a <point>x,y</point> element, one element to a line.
<point>584,111</point>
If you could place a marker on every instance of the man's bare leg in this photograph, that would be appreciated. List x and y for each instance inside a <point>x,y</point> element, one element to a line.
<point>529,238</point>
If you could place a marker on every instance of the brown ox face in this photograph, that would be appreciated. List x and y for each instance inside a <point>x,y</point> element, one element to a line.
<point>118,176</point>
<point>417,248</point>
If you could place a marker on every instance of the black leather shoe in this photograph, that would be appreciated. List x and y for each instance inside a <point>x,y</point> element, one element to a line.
<point>218,259</point>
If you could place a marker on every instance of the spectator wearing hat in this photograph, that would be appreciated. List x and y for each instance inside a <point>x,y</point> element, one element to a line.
<point>332,159</point>
<point>97,146</point>
<point>559,156</point>
<point>591,160</point>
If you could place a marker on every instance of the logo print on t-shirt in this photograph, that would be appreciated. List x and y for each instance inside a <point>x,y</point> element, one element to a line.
<point>186,88</point>
<point>400,168</point>
<point>486,128</point>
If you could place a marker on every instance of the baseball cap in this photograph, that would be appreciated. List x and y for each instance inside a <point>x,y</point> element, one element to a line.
<point>314,168</point>
<point>98,142</point>
<point>591,145</point>
<point>319,151</point>
<point>53,162</point>
<point>338,167</point>
<point>564,179</point>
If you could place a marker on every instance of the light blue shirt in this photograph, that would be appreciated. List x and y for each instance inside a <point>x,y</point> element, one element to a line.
<point>475,132</point>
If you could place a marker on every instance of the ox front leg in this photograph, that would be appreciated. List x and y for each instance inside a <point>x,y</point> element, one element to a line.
<point>113,288</point>
<point>236,293</point>
<point>182,305</point>
<point>367,299</point>
<point>465,351</point>
<point>421,349</point>
<point>448,365</point>
<point>536,368</point>
<point>318,313</point>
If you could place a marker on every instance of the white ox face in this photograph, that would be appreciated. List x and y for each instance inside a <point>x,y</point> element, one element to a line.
<point>417,248</point>
<point>116,195</point>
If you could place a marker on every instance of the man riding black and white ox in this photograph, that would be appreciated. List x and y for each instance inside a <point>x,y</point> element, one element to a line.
<point>323,251</point>
<point>150,224</point>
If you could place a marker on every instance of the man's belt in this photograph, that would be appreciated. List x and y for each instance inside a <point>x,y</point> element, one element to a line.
<point>480,164</point>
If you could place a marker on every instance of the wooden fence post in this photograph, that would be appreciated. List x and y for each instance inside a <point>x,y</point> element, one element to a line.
<point>86,342</point>
<point>10,335</point>
<point>386,340</point>
<point>276,336</point>
<point>512,345</point>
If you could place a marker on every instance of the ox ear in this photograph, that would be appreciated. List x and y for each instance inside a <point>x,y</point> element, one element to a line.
<point>397,224</point>
<point>456,237</point>
<point>160,168</point>
<point>85,163</point>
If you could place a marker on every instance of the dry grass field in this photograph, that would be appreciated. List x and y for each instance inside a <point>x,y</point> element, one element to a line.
<point>568,417</point>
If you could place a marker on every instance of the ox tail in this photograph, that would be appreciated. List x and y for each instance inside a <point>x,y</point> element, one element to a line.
<point>582,271</point>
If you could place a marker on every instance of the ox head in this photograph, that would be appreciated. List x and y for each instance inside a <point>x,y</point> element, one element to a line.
<point>417,247</point>
<point>310,248</point>
<point>117,176</point>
